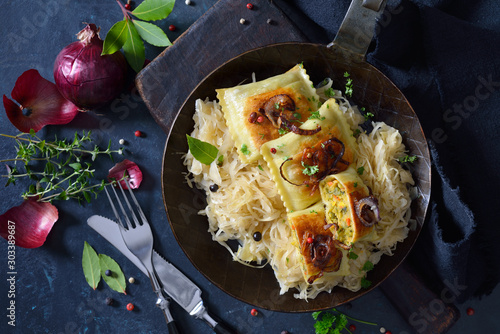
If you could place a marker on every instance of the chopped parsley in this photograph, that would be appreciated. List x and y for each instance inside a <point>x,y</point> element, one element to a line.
<point>348,85</point>
<point>313,211</point>
<point>329,92</point>
<point>356,132</point>
<point>367,266</point>
<point>355,184</point>
<point>309,170</point>
<point>260,167</point>
<point>334,322</point>
<point>352,255</point>
<point>316,115</point>
<point>361,170</point>
<point>365,283</point>
<point>368,115</point>
<point>408,158</point>
<point>245,150</point>
<point>282,131</point>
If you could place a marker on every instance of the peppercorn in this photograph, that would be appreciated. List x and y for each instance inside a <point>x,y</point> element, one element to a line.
<point>109,301</point>
<point>131,280</point>
<point>128,6</point>
<point>352,328</point>
<point>260,119</point>
<point>172,27</point>
<point>470,311</point>
<point>257,236</point>
<point>253,117</point>
<point>214,187</point>
<point>273,150</point>
<point>254,312</point>
<point>130,306</point>
<point>138,133</point>
<point>107,272</point>
<point>249,6</point>
<point>310,240</point>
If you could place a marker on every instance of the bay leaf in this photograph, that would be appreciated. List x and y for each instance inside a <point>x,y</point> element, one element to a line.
<point>91,267</point>
<point>152,34</point>
<point>202,151</point>
<point>115,38</point>
<point>152,10</point>
<point>116,280</point>
<point>134,47</point>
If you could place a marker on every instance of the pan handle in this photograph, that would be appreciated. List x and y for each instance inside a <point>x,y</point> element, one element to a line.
<point>358,26</point>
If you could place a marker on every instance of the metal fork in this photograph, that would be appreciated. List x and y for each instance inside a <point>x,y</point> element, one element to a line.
<point>139,240</point>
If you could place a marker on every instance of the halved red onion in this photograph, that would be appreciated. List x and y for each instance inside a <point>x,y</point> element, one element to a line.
<point>40,103</point>
<point>133,171</point>
<point>28,224</point>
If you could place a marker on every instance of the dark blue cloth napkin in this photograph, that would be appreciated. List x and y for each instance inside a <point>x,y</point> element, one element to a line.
<point>444,55</point>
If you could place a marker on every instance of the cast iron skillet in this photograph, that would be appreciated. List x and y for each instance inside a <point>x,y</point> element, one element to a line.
<point>372,90</point>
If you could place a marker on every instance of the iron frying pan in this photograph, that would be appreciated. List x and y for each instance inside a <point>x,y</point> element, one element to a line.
<point>372,90</point>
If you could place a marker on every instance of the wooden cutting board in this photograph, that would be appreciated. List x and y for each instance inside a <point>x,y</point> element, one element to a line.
<point>219,36</point>
<point>215,38</point>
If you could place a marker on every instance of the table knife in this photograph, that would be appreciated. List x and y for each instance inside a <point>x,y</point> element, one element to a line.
<point>180,288</point>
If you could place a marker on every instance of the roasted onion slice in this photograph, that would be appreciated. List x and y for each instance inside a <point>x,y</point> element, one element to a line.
<point>275,106</point>
<point>367,211</point>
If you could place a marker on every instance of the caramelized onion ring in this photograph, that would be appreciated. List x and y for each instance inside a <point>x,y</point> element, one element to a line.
<point>295,129</point>
<point>275,106</point>
<point>367,211</point>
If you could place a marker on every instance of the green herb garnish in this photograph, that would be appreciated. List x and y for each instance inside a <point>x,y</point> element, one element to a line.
<point>368,115</point>
<point>365,283</point>
<point>333,322</point>
<point>316,115</point>
<point>309,170</point>
<point>351,255</point>
<point>408,158</point>
<point>367,266</point>
<point>282,131</point>
<point>245,150</point>
<point>361,170</point>
<point>330,92</point>
<point>202,151</point>
<point>348,85</point>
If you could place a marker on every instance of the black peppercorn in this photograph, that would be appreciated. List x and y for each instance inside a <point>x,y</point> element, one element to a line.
<point>107,272</point>
<point>109,301</point>
<point>257,236</point>
<point>214,187</point>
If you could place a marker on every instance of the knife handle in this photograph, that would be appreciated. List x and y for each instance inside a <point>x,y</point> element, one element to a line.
<point>172,328</point>
<point>221,328</point>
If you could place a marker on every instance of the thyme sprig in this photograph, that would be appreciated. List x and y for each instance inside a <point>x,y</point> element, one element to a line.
<point>57,167</point>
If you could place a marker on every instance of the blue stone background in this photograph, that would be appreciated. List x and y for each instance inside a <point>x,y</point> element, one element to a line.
<point>52,295</point>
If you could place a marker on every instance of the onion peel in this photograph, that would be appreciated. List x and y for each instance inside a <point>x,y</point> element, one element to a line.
<point>28,224</point>
<point>39,103</point>
<point>126,168</point>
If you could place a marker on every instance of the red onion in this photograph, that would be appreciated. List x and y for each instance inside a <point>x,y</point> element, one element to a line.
<point>133,172</point>
<point>86,78</point>
<point>28,224</point>
<point>39,103</point>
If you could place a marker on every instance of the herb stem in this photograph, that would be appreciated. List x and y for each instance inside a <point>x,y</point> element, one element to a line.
<point>354,319</point>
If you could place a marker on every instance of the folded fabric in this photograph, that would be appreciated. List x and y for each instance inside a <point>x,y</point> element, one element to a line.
<point>444,56</point>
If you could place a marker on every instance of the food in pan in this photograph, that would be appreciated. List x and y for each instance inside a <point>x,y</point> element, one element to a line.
<point>293,158</point>
<point>319,178</point>
<point>258,112</point>
<point>351,211</point>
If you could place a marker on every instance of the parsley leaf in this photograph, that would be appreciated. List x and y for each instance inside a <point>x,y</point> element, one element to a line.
<point>368,115</point>
<point>245,150</point>
<point>316,115</point>
<point>365,283</point>
<point>361,170</point>
<point>367,266</point>
<point>309,170</point>
<point>352,255</point>
<point>330,92</point>
<point>348,85</point>
<point>408,158</point>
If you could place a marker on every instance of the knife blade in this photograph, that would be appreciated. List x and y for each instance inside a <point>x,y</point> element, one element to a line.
<point>180,288</point>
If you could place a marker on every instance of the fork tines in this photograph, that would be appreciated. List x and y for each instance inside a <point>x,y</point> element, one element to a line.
<point>128,223</point>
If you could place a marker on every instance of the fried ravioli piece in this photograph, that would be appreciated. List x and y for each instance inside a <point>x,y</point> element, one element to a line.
<point>318,250</point>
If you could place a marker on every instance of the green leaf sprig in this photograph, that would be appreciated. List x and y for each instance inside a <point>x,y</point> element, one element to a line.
<point>95,266</point>
<point>348,85</point>
<point>57,167</point>
<point>130,32</point>
<point>334,322</point>
<point>202,151</point>
<point>309,170</point>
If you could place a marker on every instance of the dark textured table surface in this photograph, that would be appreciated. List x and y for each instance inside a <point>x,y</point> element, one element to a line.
<point>51,294</point>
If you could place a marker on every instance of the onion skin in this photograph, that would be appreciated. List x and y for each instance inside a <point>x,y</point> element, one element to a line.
<point>133,171</point>
<point>43,101</point>
<point>86,78</point>
<point>28,224</point>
